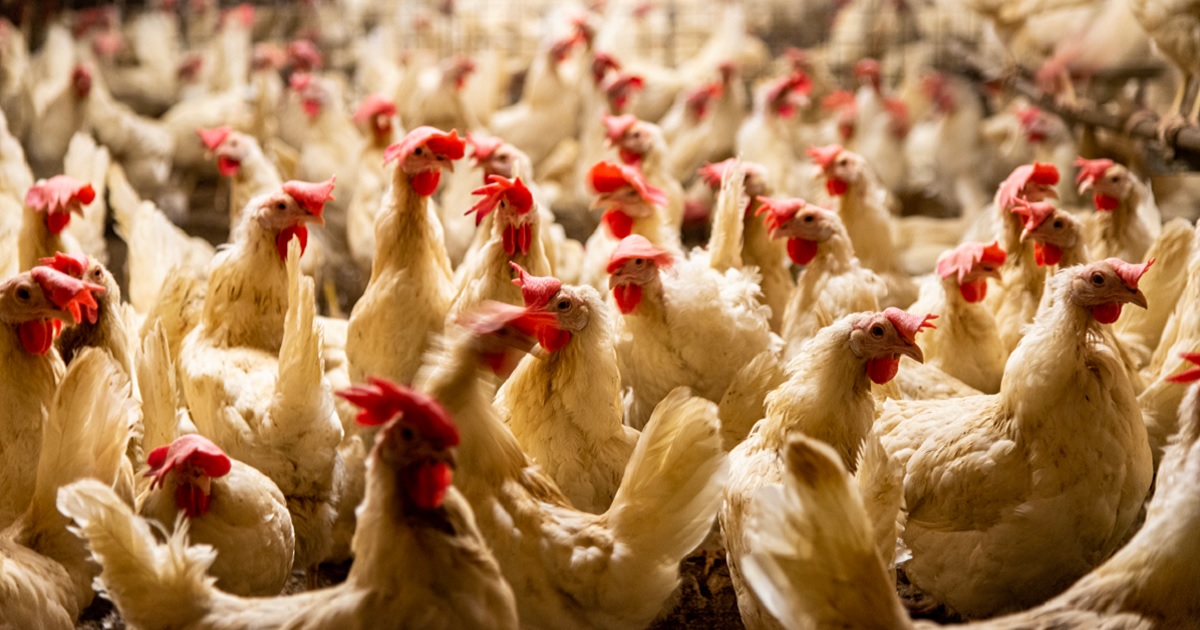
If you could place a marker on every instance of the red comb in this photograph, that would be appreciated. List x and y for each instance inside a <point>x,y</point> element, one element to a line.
<point>67,293</point>
<point>1028,115</point>
<point>909,324</point>
<point>311,196</point>
<point>1037,173</point>
<point>602,63</point>
<point>372,106</point>
<point>513,190</point>
<point>616,126</point>
<point>537,291</point>
<point>837,100</point>
<point>299,81</point>
<point>483,147</point>
<point>244,13</point>
<point>380,401</point>
<point>54,196</point>
<point>963,258</point>
<point>304,55</point>
<point>1188,376</point>
<point>698,99</point>
<point>1129,273</point>
<point>491,316</point>
<point>866,68</point>
<point>436,140</point>
<point>74,265</point>
<point>779,211</point>
<point>714,172</point>
<point>1091,169</point>
<point>1034,214</point>
<point>193,449</point>
<point>825,156</point>
<point>781,89</point>
<point>637,246</point>
<point>607,177</point>
<point>212,138</point>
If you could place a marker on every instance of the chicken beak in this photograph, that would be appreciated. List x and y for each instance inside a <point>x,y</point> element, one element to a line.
<point>1086,185</point>
<point>1025,234</point>
<point>1138,298</point>
<point>912,351</point>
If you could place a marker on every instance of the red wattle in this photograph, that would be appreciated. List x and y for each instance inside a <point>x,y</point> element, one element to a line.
<point>428,486</point>
<point>619,224</point>
<point>883,369</point>
<point>228,167</point>
<point>1107,313</point>
<point>1046,254</point>
<point>973,292</point>
<point>425,182</point>
<point>801,251</point>
<point>836,187</point>
<point>37,336</point>
<point>1105,203</point>
<point>525,238</point>
<point>510,239</point>
<point>553,339</point>
<point>56,222</point>
<point>630,157</point>
<point>312,108</point>
<point>285,237</point>
<point>192,500</point>
<point>628,296</point>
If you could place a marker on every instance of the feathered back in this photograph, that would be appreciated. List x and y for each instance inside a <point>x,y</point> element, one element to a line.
<point>812,538</point>
<point>157,382</point>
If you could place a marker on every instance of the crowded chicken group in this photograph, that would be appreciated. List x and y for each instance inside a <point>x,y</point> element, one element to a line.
<point>360,314</point>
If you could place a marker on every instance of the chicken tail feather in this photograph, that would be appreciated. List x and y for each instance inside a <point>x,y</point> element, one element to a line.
<point>725,245</point>
<point>811,539</point>
<point>743,403</point>
<point>153,585</point>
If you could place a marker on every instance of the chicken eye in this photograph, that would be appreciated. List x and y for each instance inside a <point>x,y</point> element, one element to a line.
<point>564,304</point>
<point>1097,279</point>
<point>281,206</point>
<point>808,218</point>
<point>23,294</point>
<point>1058,224</point>
<point>418,151</point>
<point>638,261</point>
<point>96,273</point>
<point>877,330</point>
<point>406,433</point>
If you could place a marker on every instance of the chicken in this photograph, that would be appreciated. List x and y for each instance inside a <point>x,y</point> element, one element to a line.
<point>145,147</point>
<point>254,359</point>
<point>420,559</point>
<point>1127,221</point>
<point>48,208</point>
<point>630,206</point>
<point>833,284</point>
<point>1013,526</point>
<point>240,158</point>
<point>515,239</point>
<point>545,113</point>
<point>109,325</point>
<point>229,506</point>
<point>828,397</point>
<point>758,249</point>
<point>570,568</point>
<point>437,99</point>
<point>868,223</point>
<point>378,116</point>
<point>46,574</point>
<point>966,343</point>
<point>411,288</point>
<point>765,137</point>
<point>33,307</point>
<point>86,162</point>
<point>814,536</point>
<point>642,145</point>
<point>1171,24</point>
<point>57,117</point>
<point>571,426</point>
<point>683,323</point>
<point>713,135</point>
<point>880,127</point>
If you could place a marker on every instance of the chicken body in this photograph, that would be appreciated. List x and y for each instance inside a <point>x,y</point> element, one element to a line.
<point>565,410</point>
<point>694,326</point>
<point>247,524</point>
<point>1128,230</point>
<point>1049,473</point>
<point>251,374</point>
<point>486,275</point>
<point>966,343</point>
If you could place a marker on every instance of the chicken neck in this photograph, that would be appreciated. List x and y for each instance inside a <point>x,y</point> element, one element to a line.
<point>867,224</point>
<point>255,176</point>
<point>26,392</point>
<point>827,397</point>
<point>36,241</point>
<point>109,332</point>
<point>407,232</point>
<point>247,291</point>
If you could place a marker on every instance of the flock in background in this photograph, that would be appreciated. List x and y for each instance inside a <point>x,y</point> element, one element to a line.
<point>885,342</point>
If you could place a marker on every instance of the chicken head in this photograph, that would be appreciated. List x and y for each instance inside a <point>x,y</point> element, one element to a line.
<point>512,203</point>
<point>547,296</point>
<point>57,198</point>
<point>970,265</point>
<point>623,195</point>
<point>1106,285</point>
<point>287,212</point>
<point>839,167</point>
<point>422,155</point>
<point>195,462</point>
<point>38,301</point>
<point>1030,182</point>
<point>804,226</point>
<point>632,138</point>
<point>503,333</point>
<point>228,146</point>
<point>416,442</point>
<point>754,180</point>
<point>1052,230</point>
<point>632,267</point>
<point>1108,181</point>
<point>376,114</point>
<point>881,339</point>
<point>81,267</point>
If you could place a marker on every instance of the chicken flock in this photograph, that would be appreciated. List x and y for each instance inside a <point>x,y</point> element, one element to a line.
<point>516,358</point>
